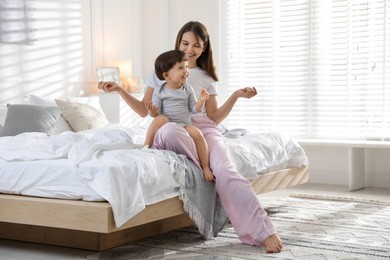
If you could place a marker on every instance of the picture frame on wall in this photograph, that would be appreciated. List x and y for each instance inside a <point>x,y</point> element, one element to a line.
<point>109,74</point>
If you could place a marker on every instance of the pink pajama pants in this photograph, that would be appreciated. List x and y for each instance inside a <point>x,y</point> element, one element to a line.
<point>249,219</point>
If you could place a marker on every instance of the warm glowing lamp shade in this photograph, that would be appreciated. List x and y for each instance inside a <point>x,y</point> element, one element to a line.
<point>125,67</point>
<point>126,73</point>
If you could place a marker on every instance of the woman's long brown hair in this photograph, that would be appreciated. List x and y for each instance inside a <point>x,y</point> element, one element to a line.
<point>205,61</point>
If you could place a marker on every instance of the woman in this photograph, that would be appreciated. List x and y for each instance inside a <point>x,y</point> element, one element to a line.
<point>240,202</point>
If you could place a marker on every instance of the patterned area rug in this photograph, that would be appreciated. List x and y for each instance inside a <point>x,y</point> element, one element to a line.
<point>311,227</point>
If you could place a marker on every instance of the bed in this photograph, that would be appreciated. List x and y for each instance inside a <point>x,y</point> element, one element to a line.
<point>80,187</point>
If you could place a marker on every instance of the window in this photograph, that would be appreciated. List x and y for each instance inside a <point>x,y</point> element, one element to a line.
<point>16,21</point>
<point>321,67</point>
<point>59,61</point>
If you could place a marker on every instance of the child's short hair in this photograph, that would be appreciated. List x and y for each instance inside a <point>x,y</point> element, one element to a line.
<point>167,60</point>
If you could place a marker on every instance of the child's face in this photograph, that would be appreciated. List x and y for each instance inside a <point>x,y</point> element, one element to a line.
<point>192,46</point>
<point>178,74</point>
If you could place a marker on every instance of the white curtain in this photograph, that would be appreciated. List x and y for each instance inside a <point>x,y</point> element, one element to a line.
<point>321,67</point>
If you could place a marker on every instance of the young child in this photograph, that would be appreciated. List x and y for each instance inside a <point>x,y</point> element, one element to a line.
<point>174,101</point>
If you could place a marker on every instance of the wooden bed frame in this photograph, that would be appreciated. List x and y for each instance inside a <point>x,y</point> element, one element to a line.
<point>90,225</point>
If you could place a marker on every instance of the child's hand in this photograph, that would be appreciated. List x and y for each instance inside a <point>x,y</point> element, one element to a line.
<point>208,174</point>
<point>152,109</point>
<point>204,95</point>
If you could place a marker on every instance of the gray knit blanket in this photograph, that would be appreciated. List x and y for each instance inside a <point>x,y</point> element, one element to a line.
<point>201,200</point>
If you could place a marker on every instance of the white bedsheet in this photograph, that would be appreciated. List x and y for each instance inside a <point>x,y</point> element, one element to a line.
<point>110,164</point>
<point>256,153</point>
<point>44,178</point>
<point>106,160</point>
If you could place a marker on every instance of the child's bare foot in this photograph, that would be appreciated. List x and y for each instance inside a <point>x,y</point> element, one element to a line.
<point>273,244</point>
<point>208,174</point>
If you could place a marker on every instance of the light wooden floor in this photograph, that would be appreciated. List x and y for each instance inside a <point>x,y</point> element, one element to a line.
<point>11,250</point>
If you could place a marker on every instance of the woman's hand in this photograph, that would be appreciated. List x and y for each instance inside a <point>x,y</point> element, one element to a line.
<point>109,86</point>
<point>219,114</point>
<point>247,92</point>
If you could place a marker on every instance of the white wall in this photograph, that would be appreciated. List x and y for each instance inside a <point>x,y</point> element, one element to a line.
<point>112,31</point>
<point>79,35</point>
<point>161,20</point>
<point>330,165</point>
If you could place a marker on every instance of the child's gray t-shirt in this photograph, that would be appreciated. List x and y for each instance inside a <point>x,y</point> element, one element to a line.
<point>176,104</point>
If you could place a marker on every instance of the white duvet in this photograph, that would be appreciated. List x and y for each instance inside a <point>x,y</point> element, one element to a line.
<point>106,160</point>
<point>256,153</point>
<point>110,164</point>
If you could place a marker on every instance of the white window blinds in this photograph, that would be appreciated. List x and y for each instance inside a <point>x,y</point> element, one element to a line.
<point>16,21</point>
<point>321,67</point>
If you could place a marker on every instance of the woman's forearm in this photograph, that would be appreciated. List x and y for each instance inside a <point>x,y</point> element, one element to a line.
<point>137,105</point>
<point>218,115</point>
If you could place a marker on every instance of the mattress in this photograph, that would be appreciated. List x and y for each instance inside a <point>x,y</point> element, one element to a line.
<point>57,179</point>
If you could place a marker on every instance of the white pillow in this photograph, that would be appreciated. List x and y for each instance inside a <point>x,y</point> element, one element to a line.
<point>93,101</point>
<point>81,116</point>
<point>62,125</point>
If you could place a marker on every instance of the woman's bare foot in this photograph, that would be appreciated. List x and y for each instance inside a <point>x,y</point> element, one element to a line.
<point>273,244</point>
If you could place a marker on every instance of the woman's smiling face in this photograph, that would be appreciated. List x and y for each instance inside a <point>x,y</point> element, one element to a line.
<point>192,46</point>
